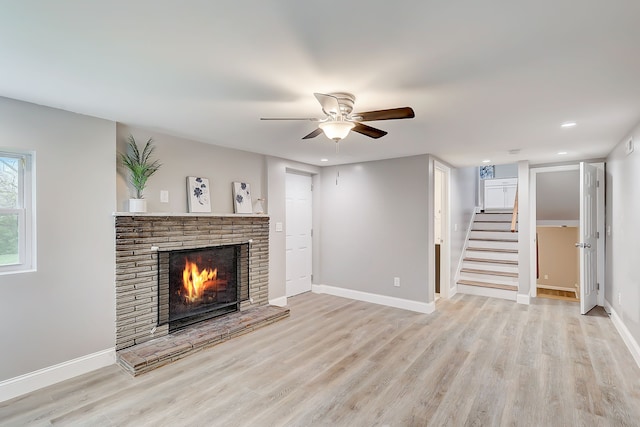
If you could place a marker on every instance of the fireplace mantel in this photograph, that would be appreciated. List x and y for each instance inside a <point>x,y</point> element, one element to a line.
<point>195,214</point>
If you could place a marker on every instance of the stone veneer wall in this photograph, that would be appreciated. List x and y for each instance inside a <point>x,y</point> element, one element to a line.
<point>137,263</point>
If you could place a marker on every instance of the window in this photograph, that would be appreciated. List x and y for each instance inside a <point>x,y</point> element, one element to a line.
<point>16,212</point>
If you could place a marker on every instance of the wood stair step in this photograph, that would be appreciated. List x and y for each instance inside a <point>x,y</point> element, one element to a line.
<point>492,221</point>
<point>487,239</point>
<point>492,261</point>
<point>505,251</point>
<point>493,231</point>
<point>487,285</point>
<point>488,272</point>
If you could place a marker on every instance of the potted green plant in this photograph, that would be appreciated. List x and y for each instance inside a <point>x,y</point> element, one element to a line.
<point>140,167</point>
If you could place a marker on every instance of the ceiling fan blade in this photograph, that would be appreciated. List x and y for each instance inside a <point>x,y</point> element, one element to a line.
<point>308,119</point>
<point>389,114</point>
<point>313,134</point>
<point>369,131</point>
<point>329,103</point>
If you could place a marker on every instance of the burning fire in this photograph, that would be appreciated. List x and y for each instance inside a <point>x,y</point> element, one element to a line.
<point>195,282</point>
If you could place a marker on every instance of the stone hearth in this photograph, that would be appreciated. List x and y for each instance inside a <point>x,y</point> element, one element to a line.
<point>155,353</point>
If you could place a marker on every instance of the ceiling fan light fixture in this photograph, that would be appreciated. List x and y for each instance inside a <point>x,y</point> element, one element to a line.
<point>336,130</point>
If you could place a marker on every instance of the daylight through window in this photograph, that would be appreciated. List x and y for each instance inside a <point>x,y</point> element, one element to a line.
<point>16,214</point>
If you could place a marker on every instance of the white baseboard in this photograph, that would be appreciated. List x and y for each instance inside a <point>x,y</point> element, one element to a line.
<point>523,299</point>
<point>453,290</point>
<point>556,288</point>
<point>628,339</point>
<point>405,304</point>
<point>280,301</point>
<point>32,381</point>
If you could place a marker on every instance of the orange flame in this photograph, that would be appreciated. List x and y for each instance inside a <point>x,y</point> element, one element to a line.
<point>195,282</point>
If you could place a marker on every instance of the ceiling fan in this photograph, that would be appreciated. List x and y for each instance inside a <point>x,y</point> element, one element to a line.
<point>340,119</point>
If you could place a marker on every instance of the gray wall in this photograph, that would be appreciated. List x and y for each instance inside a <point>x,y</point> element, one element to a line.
<point>374,227</point>
<point>558,196</point>
<point>623,244</point>
<point>181,158</point>
<point>506,171</point>
<point>66,309</point>
<point>463,201</point>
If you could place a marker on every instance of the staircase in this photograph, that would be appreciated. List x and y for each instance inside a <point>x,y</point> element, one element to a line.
<point>490,263</point>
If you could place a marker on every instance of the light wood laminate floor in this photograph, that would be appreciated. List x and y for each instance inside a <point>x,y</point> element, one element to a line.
<point>338,362</point>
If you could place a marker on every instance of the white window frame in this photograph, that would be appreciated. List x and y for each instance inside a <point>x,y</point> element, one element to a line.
<point>25,211</point>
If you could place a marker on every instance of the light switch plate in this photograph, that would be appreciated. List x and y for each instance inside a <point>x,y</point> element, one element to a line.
<point>278,226</point>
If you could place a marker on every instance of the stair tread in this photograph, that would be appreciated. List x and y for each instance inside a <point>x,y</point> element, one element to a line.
<point>491,261</point>
<point>505,251</point>
<point>494,231</point>
<point>488,272</point>
<point>487,285</point>
<point>488,239</point>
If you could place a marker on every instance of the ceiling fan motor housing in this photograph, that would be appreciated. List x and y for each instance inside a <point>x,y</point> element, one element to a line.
<point>345,101</point>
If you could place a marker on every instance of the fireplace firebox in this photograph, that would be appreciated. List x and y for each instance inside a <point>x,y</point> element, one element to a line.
<point>202,283</point>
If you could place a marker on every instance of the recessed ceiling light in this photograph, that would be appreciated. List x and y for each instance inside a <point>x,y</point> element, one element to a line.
<point>324,160</point>
<point>486,161</point>
<point>568,124</point>
<point>562,153</point>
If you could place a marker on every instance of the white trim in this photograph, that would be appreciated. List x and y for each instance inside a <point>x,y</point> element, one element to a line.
<point>280,301</point>
<point>464,249</point>
<point>523,299</point>
<point>32,381</point>
<point>628,339</point>
<point>405,304</point>
<point>558,223</point>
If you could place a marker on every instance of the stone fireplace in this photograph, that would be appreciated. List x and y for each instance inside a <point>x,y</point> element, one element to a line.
<point>144,243</point>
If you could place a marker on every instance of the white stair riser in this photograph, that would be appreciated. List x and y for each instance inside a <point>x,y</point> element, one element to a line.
<point>495,245</point>
<point>490,266</point>
<point>493,235</point>
<point>487,292</point>
<point>491,255</point>
<point>501,280</point>
<point>504,226</point>
<point>493,217</point>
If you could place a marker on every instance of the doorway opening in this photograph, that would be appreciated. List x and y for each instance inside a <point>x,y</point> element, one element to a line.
<point>567,214</point>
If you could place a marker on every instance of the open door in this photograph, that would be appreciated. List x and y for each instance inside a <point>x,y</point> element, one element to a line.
<point>588,238</point>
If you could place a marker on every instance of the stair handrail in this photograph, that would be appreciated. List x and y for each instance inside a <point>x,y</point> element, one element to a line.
<point>514,214</point>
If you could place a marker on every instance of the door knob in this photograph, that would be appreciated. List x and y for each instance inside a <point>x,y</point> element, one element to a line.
<point>583,245</point>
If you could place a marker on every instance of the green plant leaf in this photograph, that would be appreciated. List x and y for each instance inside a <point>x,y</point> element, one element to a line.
<point>139,164</point>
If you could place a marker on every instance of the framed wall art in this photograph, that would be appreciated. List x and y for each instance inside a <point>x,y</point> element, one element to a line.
<point>487,172</point>
<point>242,198</point>
<point>198,194</point>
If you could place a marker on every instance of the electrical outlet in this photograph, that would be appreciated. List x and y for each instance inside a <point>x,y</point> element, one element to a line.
<point>546,276</point>
<point>164,196</point>
<point>620,298</point>
<point>396,282</point>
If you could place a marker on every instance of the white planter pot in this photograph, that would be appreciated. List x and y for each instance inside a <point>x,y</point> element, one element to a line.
<point>137,205</point>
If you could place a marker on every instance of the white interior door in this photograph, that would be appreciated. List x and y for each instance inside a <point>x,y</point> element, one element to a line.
<point>588,237</point>
<point>298,233</point>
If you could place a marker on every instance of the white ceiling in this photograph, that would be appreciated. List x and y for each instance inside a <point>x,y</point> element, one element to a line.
<point>484,77</point>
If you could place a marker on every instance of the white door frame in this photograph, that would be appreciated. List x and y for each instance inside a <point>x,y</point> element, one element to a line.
<point>445,218</point>
<point>533,291</point>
